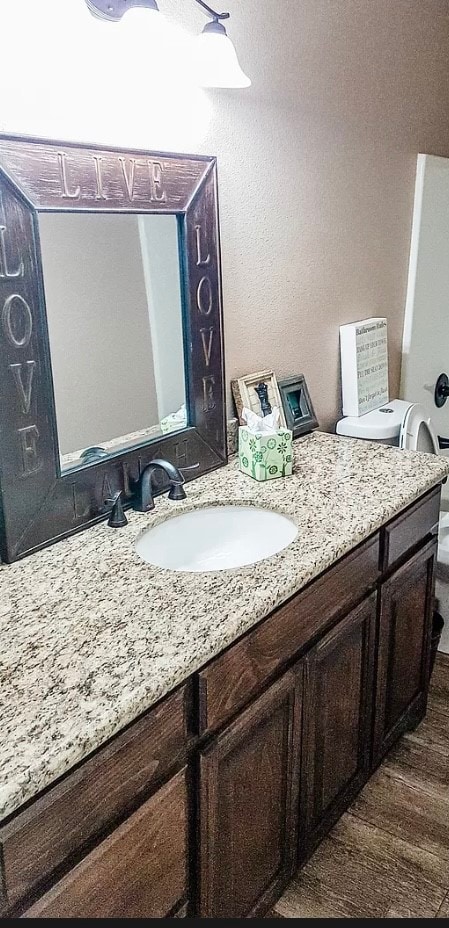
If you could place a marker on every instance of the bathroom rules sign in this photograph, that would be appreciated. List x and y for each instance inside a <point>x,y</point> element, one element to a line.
<point>364,366</point>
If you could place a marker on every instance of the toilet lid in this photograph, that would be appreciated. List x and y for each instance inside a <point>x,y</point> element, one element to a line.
<point>417,432</point>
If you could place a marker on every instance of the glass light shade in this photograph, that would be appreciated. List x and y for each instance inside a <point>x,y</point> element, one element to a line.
<point>215,61</point>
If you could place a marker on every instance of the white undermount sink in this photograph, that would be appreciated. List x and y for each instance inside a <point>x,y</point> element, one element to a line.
<point>216,538</point>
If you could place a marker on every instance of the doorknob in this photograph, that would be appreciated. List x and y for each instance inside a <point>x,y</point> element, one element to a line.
<point>441,390</point>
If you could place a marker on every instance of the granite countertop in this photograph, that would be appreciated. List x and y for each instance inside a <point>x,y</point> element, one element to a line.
<point>91,635</point>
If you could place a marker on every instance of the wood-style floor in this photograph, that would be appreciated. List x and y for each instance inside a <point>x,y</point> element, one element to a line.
<point>388,856</point>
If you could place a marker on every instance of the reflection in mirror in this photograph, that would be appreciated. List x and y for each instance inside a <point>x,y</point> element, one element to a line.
<point>114,307</point>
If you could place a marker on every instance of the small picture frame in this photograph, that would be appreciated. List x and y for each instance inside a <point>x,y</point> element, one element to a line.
<point>258,392</point>
<point>299,413</point>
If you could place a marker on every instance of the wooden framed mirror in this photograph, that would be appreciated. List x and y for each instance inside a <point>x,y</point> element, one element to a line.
<point>111,344</point>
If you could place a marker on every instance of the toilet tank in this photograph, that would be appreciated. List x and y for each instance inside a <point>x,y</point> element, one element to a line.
<point>383,424</point>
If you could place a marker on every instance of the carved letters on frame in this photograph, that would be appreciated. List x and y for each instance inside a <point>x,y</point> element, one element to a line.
<point>38,503</point>
<point>17,329</point>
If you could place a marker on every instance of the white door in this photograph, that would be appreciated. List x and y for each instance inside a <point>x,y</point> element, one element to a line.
<point>426,325</point>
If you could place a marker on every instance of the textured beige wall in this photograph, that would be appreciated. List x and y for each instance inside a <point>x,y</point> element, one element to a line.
<point>316,169</point>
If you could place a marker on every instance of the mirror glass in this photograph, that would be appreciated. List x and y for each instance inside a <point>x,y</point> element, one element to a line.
<point>114,308</point>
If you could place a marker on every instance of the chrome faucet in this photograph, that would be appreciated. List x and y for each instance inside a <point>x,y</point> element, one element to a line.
<point>142,500</point>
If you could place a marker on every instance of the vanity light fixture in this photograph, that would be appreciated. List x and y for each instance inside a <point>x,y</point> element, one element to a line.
<point>215,59</point>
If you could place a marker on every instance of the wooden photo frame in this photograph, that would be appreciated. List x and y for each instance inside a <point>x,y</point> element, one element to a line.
<point>299,412</point>
<point>244,391</point>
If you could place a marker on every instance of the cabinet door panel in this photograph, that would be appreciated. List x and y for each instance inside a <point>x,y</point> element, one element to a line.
<point>249,795</point>
<point>338,701</point>
<point>404,648</point>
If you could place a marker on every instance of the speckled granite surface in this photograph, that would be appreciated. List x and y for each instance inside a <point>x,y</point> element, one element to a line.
<point>91,635</point>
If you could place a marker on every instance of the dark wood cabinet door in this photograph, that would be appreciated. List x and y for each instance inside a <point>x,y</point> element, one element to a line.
<point>249,786</point>
<point>404,648</point>
<point>338,721</point>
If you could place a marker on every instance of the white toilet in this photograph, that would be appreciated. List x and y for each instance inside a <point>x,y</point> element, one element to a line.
<point>408,426</point>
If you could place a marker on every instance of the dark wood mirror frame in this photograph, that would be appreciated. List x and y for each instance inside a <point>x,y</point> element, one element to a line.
<point>39,504</point>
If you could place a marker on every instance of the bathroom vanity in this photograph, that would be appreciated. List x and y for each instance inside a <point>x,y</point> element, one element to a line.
<point>177,744</point>
<point>174,743</point>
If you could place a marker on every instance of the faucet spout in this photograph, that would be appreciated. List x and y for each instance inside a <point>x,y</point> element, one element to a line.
<point>143,500</point>
<point>173,474</point>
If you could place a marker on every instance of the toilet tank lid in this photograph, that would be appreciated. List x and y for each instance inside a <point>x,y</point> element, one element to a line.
<point>377,425</point>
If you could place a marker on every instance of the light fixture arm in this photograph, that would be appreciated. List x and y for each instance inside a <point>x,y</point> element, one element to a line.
<point>115,9</point>
<point>211,12</point>
<point>216,63</point>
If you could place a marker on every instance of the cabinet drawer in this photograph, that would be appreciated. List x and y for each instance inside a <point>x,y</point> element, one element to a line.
<point>140,871</point>
<point>230,680</point>
<point>66,820</point>
<point>408,529</point>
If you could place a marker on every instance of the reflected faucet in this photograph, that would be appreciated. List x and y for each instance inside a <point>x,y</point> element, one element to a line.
<point>142,500</point>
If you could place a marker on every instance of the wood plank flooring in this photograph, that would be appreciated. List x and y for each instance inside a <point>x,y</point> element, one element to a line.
<point>388,856</point>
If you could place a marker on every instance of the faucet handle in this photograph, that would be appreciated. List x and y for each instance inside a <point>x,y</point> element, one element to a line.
<point>117,518</point>
<point>185,470</point>
<point>177,490</point>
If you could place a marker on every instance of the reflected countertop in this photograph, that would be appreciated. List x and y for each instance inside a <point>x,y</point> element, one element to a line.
<point>91,635</point>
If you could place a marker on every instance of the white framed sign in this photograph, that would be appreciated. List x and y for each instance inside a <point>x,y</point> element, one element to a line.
<point>364,366</point>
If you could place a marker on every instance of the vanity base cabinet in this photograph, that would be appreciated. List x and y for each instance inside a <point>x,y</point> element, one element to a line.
<point>64,824</point>
<point>205,806</point>
<point>338,716</point>
<point>140,871</point>
<point>406,607</point>
<point>249,788</point>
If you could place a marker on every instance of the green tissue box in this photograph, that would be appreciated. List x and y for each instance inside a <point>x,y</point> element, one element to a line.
<point>265,456</point>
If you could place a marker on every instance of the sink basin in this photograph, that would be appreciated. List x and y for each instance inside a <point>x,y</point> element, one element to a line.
<point>216,538</point>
